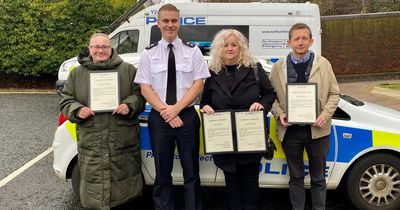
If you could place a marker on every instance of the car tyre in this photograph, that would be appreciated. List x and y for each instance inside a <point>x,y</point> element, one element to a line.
<point>374,182</point>
<point>76,180</point>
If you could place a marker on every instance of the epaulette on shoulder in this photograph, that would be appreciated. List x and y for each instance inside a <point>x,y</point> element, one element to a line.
<point>151,45</point>
<point>189,44</point>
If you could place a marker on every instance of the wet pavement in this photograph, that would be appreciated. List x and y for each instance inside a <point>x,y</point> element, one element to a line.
<point>371,92</point>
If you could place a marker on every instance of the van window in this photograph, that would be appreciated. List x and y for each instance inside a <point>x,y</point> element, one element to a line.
<point>201,35</point>
<point>125,41</point>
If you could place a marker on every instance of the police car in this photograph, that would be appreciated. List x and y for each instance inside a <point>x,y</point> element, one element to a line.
<point>364,156</point>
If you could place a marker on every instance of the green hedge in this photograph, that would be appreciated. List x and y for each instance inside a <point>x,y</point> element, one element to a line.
<point>36,36</point>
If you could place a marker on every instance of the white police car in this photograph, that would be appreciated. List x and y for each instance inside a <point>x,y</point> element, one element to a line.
<point>364,156</point>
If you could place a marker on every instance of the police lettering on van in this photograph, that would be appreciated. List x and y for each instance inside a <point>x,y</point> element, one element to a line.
<point>182,20</point>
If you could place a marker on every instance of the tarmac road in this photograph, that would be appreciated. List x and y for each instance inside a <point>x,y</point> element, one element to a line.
<point>27,126</point>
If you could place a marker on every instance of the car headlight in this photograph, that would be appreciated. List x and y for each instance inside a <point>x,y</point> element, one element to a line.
<point>65,68</point>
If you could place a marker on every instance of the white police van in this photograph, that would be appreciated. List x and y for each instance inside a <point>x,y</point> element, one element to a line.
<point>266,26</point>
<point>364,155</point>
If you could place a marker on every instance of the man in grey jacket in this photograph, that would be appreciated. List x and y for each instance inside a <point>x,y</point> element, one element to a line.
<point>303,66</point>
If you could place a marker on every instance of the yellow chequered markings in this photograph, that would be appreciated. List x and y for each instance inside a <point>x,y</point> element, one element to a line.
<point>380,138</point>
<point>71,129</point>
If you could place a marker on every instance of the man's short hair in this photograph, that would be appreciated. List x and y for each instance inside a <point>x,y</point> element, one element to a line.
<point>299,26</point>
<point>167,7</point>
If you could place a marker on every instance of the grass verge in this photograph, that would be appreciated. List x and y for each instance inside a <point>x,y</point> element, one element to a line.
<point>392,86</point>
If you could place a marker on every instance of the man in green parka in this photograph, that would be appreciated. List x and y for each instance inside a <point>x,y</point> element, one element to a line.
<point>108,142</point>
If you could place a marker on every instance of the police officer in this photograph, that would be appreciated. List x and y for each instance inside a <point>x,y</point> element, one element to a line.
<point>171,75</point>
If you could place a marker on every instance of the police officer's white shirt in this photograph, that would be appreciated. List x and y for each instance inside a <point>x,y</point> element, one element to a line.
<point>153,67</point>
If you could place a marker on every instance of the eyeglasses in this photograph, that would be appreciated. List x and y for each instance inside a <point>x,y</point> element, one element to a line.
<point>98,47</point>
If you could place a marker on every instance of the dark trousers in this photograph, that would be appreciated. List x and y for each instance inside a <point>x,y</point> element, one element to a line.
<point>296,139</point>
<point>242,187</point>
<point>163,139</point>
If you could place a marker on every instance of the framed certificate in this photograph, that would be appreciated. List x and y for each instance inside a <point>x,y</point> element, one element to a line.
<point>103,91</point>
<point>234,132</point>
<point>250,131</point>
<point>301,103</point>
<point>218,134</point>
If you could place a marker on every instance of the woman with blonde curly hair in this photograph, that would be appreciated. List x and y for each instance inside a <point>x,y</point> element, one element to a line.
<point>233,85</point>
<point>244,58</point>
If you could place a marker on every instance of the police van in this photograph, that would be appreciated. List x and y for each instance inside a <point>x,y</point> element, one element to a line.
<point>266,26</point>
<point>364,154</point>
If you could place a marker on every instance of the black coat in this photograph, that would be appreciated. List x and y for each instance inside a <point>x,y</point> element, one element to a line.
<point>238,92</point>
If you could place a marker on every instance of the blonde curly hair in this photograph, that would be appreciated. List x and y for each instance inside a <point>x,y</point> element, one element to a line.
<point>217,47</point>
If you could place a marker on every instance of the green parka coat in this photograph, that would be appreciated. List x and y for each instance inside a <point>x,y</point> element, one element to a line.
<point>108,145</point>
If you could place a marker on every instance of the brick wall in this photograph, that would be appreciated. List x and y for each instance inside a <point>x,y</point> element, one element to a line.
<point>362,44</point>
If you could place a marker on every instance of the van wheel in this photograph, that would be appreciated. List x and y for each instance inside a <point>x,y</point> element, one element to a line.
<point>76,180</point>
<point>374,183</point>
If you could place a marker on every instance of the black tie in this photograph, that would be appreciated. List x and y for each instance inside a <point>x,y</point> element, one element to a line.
<point>171,82</point>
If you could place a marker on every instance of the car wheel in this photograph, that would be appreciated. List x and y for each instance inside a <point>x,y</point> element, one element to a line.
<point>76,180</point>
<point>374,183</point>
